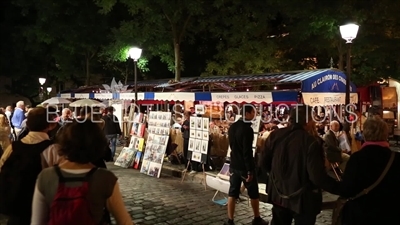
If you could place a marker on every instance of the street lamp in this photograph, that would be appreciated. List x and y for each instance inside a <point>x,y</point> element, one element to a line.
<point>135,53</point>
<point>41,82</point>
<point>349,33</point>
<point>48,91</point>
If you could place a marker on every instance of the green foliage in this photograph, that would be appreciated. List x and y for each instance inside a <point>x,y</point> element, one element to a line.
<point>244,45</point>
<point>158,26</point>
<point>74,29</point>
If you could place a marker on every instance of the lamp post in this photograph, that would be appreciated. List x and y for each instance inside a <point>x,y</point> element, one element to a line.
<point>348,33</point>
<point>135,53</point>
<point>48,91</point>
<point>41,82</point>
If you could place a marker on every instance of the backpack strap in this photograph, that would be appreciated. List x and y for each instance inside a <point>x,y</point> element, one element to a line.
<point>63,179</point>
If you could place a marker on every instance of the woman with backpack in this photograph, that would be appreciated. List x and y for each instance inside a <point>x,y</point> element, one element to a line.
<point>75,191</point>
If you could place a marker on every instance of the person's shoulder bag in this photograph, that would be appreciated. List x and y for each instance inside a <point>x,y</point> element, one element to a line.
<point>337,214</point>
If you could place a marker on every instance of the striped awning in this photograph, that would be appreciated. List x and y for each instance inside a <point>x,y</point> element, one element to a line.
<point>239,97</point>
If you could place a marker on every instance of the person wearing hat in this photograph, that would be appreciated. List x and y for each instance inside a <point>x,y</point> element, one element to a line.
<point>294,160</point>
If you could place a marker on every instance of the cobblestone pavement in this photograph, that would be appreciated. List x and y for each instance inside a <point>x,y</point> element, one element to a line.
<point>167,201</point>
<point>152,201</point>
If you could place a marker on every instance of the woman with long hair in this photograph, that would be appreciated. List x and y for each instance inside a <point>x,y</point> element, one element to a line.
<point>81,143</point>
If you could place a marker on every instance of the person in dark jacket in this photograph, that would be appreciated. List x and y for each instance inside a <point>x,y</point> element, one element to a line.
<point>242,166</point>
<point>185,129</point>
<point>363,169</point>
<point>111,129</point>
<point>294,159</point>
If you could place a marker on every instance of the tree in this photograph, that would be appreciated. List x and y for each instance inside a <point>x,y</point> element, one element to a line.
<point>21,60</point>
<point>74,28</point>
<point>313,28</point>
<point>245,44</point>
<point>160,26</point>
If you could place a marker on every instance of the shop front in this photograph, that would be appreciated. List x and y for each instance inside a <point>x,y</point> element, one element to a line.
<point>323,87</point>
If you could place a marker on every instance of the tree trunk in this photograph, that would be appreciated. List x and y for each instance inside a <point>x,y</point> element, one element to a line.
<point>177,51</point>
<point>126,73</point>
<point>87,83</point>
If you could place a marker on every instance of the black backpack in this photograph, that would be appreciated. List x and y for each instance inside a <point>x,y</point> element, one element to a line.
<point>18,177</point>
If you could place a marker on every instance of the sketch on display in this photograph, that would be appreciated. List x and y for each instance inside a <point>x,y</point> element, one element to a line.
<point>198,141</point>
<point>159,129</point>
<point>192,133</point>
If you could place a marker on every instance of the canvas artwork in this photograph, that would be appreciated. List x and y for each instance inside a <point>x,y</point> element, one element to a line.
<point>205,135</point>
<point>192,122</point>
<point>197,145</point>
<point>204,147</point>
<point>199,134</point>
<point>145,166</point>
<point>136,163</point>
<point>192,133</point>
<point>196,156</point>
<point>199,109</point>
<point>125,158</point>
<point>132,142</point>
<point>206,124</point>
<point>154,169</point>
<point>199,123</point>
<point>191,144</point>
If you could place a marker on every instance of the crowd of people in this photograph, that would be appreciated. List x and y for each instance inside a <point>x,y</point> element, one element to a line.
<point>48,158</point>
<point>293,159</point>
<point>55,173</point>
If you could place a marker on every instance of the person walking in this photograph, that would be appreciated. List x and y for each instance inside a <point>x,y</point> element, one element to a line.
<point>20,165</point>
<point>111,129</point>
<point>242,167</point>
<point>294,161</point>
<point>76,191</point>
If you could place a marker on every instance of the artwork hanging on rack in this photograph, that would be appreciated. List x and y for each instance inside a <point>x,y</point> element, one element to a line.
<point>192,133</point>
<point>206,124</point>
<point>206,135</point>
<point>157,141</point>
<point>198,145</point>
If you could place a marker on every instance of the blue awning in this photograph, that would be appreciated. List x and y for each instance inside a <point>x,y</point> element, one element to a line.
<point>320,81</point>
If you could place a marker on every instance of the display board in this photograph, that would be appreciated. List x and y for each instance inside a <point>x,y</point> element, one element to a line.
<point>198,140</point>
<point>157,141</point>
<point>255,125</point>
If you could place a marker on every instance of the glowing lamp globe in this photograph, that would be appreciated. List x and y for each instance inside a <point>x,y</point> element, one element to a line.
<point>135,53</point>
<point>42,81</point>
<point>349,32</point>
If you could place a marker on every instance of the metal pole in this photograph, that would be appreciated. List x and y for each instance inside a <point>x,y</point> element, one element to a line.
<point>348,75</point>
<point>135,62</point>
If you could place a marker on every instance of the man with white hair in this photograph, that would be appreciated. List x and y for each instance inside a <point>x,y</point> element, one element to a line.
<point>334,153</point>
<point>18,116</point>
<point>66,116</point>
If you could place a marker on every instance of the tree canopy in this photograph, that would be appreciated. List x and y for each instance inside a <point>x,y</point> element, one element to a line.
<point>86,42</point>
